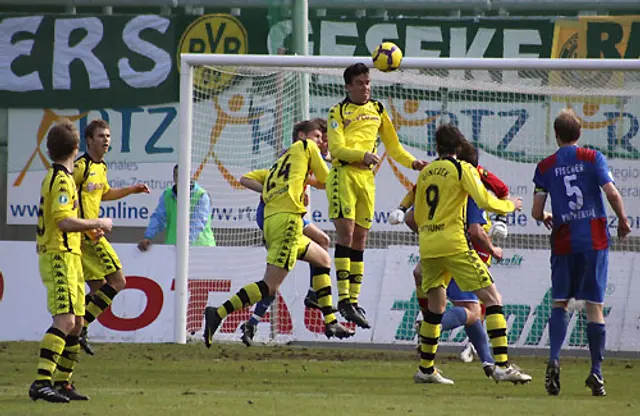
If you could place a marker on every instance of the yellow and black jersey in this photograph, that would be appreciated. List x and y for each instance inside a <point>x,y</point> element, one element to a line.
<point>283,189</point>
<point>440,205</point>
<point>92,184</point>
<point>353,131</point>
<point>58,200</point>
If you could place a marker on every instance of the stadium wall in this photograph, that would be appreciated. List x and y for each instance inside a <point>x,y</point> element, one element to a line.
<point>144,311</point>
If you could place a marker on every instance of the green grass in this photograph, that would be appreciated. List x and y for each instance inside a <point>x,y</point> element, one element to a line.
<point>158,379</point>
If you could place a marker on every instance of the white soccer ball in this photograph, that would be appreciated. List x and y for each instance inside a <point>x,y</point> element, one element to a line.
<point>387,57</point>
<point>396,217</point>
<point>498,230</point>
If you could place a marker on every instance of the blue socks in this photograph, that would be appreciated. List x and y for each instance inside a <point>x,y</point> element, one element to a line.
<point>596,334</point>
<point>453,318</point>
<point>557,332</point>
<point>261,309</point>
<point>478,337</point>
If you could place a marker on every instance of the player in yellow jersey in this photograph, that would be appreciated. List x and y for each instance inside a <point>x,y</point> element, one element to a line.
<point>58,245</point>
<point>102,267</point>
<point>442,191</point>
<point>354,127</point>
<point>283,195</point>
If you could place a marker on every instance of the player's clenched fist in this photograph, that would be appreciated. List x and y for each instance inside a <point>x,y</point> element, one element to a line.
<point>371,159</point>
<point>419,164</point>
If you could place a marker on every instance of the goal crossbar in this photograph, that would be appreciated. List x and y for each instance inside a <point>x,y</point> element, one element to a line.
<point>291,61</point>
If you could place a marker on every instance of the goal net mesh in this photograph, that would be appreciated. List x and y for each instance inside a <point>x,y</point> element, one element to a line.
<point>242,120</point>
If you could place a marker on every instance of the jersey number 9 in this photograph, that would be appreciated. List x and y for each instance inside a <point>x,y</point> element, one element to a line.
<point>433,197</point>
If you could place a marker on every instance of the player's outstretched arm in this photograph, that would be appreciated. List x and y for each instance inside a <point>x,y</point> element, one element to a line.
<point>615,200</point>
<point>255,179</point>
<point>394,148</point>
<point>75,225</point>
<point>317,163</point>
<point>337,143</point>
<point>537,210</point>
<point>397,215</point>
<point>113,194</point>
<point>472,183</point>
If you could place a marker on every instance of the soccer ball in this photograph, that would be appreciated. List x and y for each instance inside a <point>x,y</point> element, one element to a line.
<point>387,57</point>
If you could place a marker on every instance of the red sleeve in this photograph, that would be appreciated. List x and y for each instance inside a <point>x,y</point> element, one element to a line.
<point>493,183</point>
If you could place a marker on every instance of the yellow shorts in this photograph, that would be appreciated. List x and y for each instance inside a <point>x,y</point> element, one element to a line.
<point>61,274</point>
<point>284,240</point>
<point>470,272</point>
<point>98,260</point>
<point>351,193</point>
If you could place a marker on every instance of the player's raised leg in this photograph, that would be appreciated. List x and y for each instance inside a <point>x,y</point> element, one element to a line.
<point>322,239</point>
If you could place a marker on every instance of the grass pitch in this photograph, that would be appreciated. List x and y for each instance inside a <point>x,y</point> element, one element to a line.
<point>159,379</point>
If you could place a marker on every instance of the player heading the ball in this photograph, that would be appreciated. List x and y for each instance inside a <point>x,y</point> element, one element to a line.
<point>354,127</point>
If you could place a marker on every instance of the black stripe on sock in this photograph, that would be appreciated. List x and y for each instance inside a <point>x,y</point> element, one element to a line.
<point>495,333</point>
<point>343,275</point>
<point>63,369</point>
<point>426,370</point>
<point>327,310</point>
<point>244,297</point>
<point>500,350</point>
<point>264,288</point>
<point>320,270</point>
<point>72,340</point>
<point>100,303</point>
<point>43,372</point>
<point>325,291</point>
<point>494,310</point>
<point>108,290</point>
<point>56,332</point>
<point>88,316</point>
<point>342,251</point>
<point>429,356</point>
<point>357,255</point>
<point>428,340</point>
<point>433,318</point>
<point>47,354</point>
<point>228,306</point>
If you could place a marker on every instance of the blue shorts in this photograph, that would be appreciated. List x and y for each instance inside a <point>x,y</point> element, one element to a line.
<point>260,217</point>
<point>454,294</point>
<point>582,276</point>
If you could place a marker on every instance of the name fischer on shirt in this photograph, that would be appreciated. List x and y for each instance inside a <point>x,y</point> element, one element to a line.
<point>569,170</point>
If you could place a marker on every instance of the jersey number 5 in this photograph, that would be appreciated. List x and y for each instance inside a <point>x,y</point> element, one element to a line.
<point>283,172</point>
<point>433,197</point>
<point>573,190</point>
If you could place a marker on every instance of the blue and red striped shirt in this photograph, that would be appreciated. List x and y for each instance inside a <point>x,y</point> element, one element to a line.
<point>573,177</point>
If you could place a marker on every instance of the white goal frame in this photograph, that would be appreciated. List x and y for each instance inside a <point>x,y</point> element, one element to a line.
<point>189,61</point>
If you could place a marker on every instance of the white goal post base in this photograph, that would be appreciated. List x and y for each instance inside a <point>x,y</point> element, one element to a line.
<point>236,115</point>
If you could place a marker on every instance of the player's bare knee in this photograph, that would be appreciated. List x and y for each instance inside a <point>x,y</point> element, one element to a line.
<point>64,322</point>
<point>560,304</point>
<point>117,280</point>
<point>595,312</point>
<point>474,312</point>
<point>95,285</point>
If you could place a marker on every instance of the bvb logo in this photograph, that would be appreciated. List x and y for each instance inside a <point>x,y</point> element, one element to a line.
<point>580,79</point>
<point>213,33</point>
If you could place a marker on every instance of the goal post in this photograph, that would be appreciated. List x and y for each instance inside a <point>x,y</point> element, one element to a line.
<point>236,113</point>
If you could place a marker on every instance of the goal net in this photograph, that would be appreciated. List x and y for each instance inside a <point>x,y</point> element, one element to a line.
<point>239,112</point>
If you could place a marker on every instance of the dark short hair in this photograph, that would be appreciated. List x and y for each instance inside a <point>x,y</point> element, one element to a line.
<point>95,124</point>
<point>449,139</point>
<point>353,71</point>
<point>62,140</point>
<point>306,127</point>
<point>175,167</point>
<point>567,126</point>
<point>322,123</point>
<point>468,153</point>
